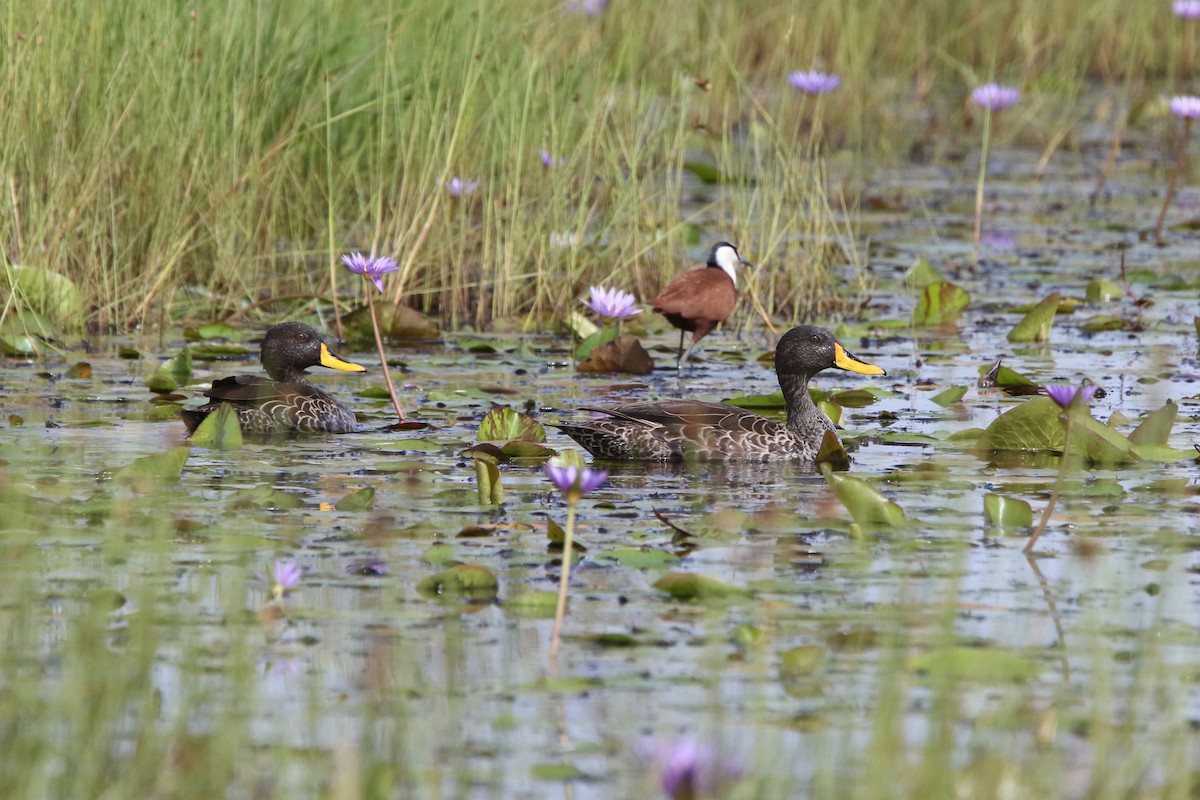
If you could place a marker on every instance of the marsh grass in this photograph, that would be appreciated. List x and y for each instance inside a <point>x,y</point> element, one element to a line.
<point>202,161</point>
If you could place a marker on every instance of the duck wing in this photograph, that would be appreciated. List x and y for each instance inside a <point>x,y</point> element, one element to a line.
<point>268,406</point>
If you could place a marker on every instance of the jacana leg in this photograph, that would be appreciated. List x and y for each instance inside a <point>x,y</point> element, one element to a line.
<point>679,356</point>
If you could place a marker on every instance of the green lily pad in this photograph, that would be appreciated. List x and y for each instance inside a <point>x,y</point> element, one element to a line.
<point>983,664</point>
<point>361,500</point>
<point>265,496</point>
<point>867,505</point>
<point>773,400</point>
<point>46,292</point>
<point>1162,453</point>
<point>948,397</point>
<point>639,557</point>
<point>533,604</point>
<point>854,398</point>
<point>1102,290</point>
<point>832,453</point>
<point>1033,425</point>
<point>1156,427</point>
<point>689,586</point>
<point>175,373</point>
<point>220,430</point>
<point>503,423</point>
<point>488,482</point>
<point>922,274</point>
<point>217,352</point>
<point>590,343</point>
<point>1035,326</point>
<point>212,330</point>
<point>466,580</point>
<point>940,303</point>
<point>1103,322</point>
<point>161,467</point>
<point>1011,381</point>
<point>1007,512</point>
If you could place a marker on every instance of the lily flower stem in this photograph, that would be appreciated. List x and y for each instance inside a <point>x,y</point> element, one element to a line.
<point>983,159</point>
<point>387,376</point>
<point>565,577</point>
<point>1173,178</point>
<point>1053,501</point>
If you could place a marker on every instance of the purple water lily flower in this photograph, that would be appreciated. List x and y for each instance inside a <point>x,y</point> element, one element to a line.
<point>688,770</point>
<point>457,187</point>
<point>814,82</point>
<point>284,576</point>
<point>371,266</point>
<point>1186,9</point>
<point>1186,106</point>
<point>1065,394</point>
<point>612,303</point>
<point>590,8</point>
<point>995,97</point>
<point>550,162</point>
<point>572,481</point>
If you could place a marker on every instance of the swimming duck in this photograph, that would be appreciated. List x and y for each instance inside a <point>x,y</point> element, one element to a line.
<point>679,429</point>
<point>699,299</point>
<point>283,402</point>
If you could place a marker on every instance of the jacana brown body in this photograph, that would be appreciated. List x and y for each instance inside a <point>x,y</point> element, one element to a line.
<point>700,299</point>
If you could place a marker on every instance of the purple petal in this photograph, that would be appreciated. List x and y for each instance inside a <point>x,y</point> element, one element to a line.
<point>995,97</point>
<point>814,82</point>
<point>1185,106</point>
<point>1186,9</point>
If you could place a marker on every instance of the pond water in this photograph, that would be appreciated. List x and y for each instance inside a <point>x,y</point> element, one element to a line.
<point>852,660</point>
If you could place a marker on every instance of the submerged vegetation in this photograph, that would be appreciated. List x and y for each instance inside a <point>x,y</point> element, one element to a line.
<point>456,604</point>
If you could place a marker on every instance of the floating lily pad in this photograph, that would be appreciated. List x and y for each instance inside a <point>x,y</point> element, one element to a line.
<point>1101,290</point>
<point>488,482</point>
<point>1103,322</point>
<point>639,557</point>
<point>217,352</point>
<point>1007,512</point>
<point>533,604</point>
<point>1155,429</point>
<point>267,497</point>
<point>160,467</point>
<point>948,397</point>
<point>773,400</point>
<point>173,374</point>
<point>940,304</point>
<point>360,500</point>
<point>466,580</point>
<point>1035,326</point>
<point>46,292</point>
<point>590,343</point>
<point>867,505</point>
<point>213,330</point>
<point>983,664</point>
<point>689,586</point>
<point>503,423</point>
<point>220,430</point>
<point>922,274</point>
<point>1033,425</point>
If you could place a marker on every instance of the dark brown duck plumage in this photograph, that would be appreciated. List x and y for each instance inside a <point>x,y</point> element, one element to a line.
<point>679,429</point>
<point>700,299</point>
<point>283,402</point>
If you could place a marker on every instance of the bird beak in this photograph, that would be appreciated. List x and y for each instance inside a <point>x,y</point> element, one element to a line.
<point>333,361</point>
<point>844,359</point>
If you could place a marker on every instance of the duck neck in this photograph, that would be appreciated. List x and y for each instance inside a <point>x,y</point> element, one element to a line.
<point>282,373</point>
<point>803,416</point>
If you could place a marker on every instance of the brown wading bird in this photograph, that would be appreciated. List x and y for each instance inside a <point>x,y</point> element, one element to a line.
<point>699,299</point>
<point>284,402</point>
<point>683,429</point>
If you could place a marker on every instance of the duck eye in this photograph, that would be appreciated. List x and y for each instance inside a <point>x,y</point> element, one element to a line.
<point>815,339</point>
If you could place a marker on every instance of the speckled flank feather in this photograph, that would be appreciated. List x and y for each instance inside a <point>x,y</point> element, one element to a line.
<point>676,430</point>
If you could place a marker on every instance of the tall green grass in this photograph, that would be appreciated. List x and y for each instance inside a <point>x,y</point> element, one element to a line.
<point>201,160</point>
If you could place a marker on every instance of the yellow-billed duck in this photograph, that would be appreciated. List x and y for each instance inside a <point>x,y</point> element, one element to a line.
<point>680,429</point>
<point>283,402</point>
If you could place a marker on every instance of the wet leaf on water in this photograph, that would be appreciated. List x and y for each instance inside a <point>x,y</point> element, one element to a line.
<point>624,354</point>
<point>265,496</point>
<point>162,467</point>
<point>759,401</point>
<point>747,637</point>
<point>18,337</point>
<point>556,771</point>
<point>572,458</point>
<point>867,505</point>
<point>467,580</point>
<point>940,303</point>
<point>525,450</point>
<point>854,398</point>
<point>81,370</point>
<point>129,353</point>
<point>690,586</point>
<point>1033,425</point>
<point>15,420</point>
<point>1099,444</point>
<point>44,291</point>
<point>1011,381</point>
<point>1102,290</point>
<point>1103,322</point>
<point>1156,427</point>
<point>176,372</point>
<point>1163,454</point>
<point>831,410</point>
<point>800,662</point>
<point>457,395</point>
<point>948,397</point>
<point>218,352</point>
<point>213,330</point>
<point>833,453</point>
<point>220,430</point>
<point>922,274</point>
<point>438,554</point>
<point>503,423</point>
<point>360,500</point>
<point>983,664</point>
<point>488,482</point>
<point>580,325</point>
<point>374,393</point>
<point>1035,327</point>
<point>611,640</point>
<point>1007,512</point>
<point>590,343</point>
<point>558,537</point>
<point>639,557</point>
<point>533,604</point>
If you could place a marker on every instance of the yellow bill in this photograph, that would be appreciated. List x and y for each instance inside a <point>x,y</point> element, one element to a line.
<point>331,360</point>
<point>844,359</point>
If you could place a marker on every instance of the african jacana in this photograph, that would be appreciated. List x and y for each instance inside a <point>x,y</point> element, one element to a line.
<point>699,299</point>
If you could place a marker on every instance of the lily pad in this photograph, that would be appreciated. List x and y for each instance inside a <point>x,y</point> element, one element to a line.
<point>488,482</point>
<point>1035,326</point>
<point>1102,290</point>
<point>1156,427</point>
<point>503,423</point>
<point>46,292</point>
<point>639,557</point>
<point>983,664</point>
<point>922,274</point>
<point>940,304</point>
<point>602,336</point>
<point>160,467</point>
<point>220,430</point>
<point>175,373</point>
<point>1007,512</point>
<point>866,504</point>
<point>689,586</point>
<point>948,397</point>
<point>466,580</point>
<point>360,500</point>
<point>623,354</point>
<point>774,400</point>
<point>1033,425</point>
<point>213,330</point>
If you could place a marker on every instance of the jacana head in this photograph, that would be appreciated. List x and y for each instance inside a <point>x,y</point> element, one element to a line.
<point>806,350</point>
<point>725,256</point>
<point>292,347</point>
